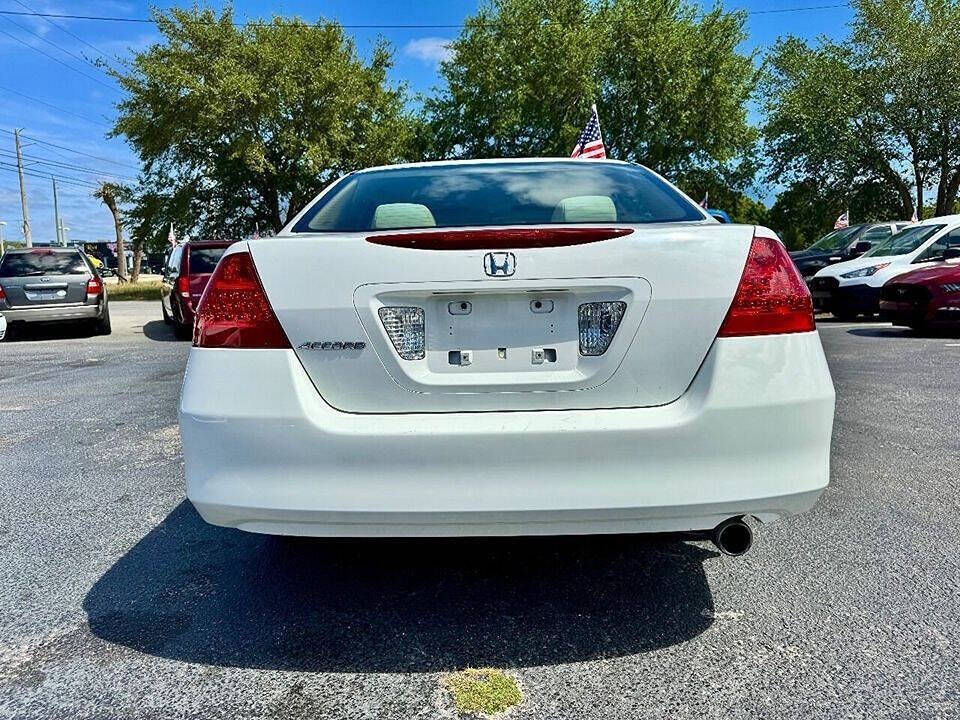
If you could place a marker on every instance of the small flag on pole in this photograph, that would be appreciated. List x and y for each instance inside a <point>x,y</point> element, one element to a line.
<point>914,218</point>
<point>256,231</point>
<point>705,203</point>
<point>172,237</point>
<point>590,142</point>
<point>842,221</point>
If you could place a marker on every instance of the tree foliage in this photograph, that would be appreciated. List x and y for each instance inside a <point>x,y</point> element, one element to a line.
<point>882,109</point>
<point>242,125</point>
<point>671,87</point>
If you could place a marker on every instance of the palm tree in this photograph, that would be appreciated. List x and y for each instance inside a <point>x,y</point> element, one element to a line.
<point>107,193</point>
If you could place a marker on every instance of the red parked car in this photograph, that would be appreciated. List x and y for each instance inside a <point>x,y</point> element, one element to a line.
<point>928,298</point>
<point>185,275</point>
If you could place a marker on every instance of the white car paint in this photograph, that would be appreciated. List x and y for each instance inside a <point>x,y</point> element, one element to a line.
<point>895,264</point>
<point>3,327</point>
<point>672,429</point>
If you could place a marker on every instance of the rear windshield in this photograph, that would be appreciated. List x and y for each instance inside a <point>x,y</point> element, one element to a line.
<point>204,260</point>
<point>905,241</point>
<point>43,262</point>
<point>497,194</point>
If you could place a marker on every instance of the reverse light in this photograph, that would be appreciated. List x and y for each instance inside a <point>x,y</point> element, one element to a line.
<point>772,298</point>
<point>406,329</point>
<point>94,286</point>
<point>598,324</point>
<point>234,311</point>
<point>865,272</point>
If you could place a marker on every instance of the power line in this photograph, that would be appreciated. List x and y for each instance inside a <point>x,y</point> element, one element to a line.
<point>68,166</point>
<point>53,44</point>
<point>61,28</point>
<point>372,26</point>
<point>78,152</point>
<point>12,167</point>
<point>56,59</point>
<point>55,107</point>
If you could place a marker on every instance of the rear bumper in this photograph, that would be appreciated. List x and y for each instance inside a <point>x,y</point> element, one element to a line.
<point>751,436</point>
<point>53,313</point>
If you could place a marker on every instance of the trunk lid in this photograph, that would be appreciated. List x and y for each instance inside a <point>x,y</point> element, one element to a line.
<point>519,333</point>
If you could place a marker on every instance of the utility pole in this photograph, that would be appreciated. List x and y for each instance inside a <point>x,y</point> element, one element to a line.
<point>56,214</point>
<point>23,191</point>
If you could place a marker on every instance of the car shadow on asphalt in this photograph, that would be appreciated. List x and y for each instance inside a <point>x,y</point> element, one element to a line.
<point>903,333</point>
<point>192,592</point>
<point>34,332</point>
<point>160,331</point>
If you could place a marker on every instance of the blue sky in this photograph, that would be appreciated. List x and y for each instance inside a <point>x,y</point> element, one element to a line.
<point>69,130</point>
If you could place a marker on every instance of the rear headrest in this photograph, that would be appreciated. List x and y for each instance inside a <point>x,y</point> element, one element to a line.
<point>402,215</point>
<point>585,208</point>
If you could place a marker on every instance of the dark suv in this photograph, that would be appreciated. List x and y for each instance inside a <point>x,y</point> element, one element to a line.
<point>185,275</point>
<point>46,285</point>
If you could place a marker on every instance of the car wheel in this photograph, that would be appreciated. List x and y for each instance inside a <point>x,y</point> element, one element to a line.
<point>166,316</point>
<point>102,326</point>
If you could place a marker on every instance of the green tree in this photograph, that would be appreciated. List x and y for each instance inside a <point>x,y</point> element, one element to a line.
<point>882,107</point>
<point>251,121</point>
<point>671,86</point>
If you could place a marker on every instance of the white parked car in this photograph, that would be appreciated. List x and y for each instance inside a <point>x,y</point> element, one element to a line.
<point>852,288</point>
<point>506,348</point>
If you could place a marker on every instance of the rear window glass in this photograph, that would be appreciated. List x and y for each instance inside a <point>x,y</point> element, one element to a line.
<point>497,194</point>
<point>43,262</point>
<point>204,260</point>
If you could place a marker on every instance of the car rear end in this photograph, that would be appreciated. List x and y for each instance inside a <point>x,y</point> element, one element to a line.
<point>42,285</point>
<point>197,264</point>
<point>602,359</point>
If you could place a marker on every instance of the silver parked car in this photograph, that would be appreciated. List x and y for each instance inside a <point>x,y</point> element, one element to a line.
<point>41,285</point>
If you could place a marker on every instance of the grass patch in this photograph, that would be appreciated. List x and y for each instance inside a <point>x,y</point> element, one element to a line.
<point>143,290</point>
<point>485,691</point>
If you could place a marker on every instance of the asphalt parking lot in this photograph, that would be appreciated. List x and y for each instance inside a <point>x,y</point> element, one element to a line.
<point>119,602</point>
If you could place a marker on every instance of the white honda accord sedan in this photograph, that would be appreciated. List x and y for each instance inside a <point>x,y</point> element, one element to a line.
<point>508,347</point>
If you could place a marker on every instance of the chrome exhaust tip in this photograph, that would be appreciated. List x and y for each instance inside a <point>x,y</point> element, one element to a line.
<point>733,537</point>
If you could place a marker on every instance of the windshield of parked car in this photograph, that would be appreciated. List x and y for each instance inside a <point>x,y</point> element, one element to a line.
<point>834,241</point>
<point>43,262</point>
<point>905,241</point>
<point>204,260</point>
<point>497,194</point>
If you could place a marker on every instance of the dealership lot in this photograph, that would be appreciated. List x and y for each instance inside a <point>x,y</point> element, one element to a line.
<point>120,602</point>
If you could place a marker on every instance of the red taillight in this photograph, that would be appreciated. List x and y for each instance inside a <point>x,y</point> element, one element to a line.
<point>772,298</point>
<point>234,311</point>
<point>183,286</point>
<point>2,294</point>
<point>94,286</point>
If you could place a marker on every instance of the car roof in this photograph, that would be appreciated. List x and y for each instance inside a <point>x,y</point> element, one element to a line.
<point>497,161</point>
<point>39,249</point>
<point>208,243</point>
<point>941,220</point>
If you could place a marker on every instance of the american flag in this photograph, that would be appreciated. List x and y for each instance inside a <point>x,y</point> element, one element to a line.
<point>842,221</point>
<point>590,142</point>
<point>705,203</point>
<point>914,218</point>
<point>172,237</point>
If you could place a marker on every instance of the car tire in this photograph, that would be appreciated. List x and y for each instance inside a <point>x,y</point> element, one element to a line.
<point>102,326</point>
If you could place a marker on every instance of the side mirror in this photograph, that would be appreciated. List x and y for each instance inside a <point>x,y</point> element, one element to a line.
<point>861,247</point>
<point>952,253</point>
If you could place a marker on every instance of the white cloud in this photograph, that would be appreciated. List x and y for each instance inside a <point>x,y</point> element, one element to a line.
<point>429,49</point>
